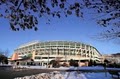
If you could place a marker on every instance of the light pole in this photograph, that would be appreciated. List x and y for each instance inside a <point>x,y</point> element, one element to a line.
<point>65,55</point>
<point>48,58</point>
<point>79,52</point>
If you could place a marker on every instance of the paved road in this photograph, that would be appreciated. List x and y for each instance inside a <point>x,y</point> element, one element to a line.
<point>11,74</point>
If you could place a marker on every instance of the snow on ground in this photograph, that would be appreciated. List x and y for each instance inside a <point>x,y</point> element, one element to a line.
<point>68,75</point>
<point>78,74</point>
<point>69,68</point>
<point>74,75</point>
<point>98,76</point>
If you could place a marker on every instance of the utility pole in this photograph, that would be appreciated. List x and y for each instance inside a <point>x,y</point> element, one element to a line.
<point>79,55</point>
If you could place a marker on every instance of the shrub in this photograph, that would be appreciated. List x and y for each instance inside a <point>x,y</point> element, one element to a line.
<point>73,63</point>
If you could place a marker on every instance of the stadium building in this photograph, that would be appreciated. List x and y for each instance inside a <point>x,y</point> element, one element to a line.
<point>44,52</point>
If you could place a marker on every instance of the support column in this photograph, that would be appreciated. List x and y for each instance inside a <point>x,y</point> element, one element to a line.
<point>79,53</point>
<point>33,55</point>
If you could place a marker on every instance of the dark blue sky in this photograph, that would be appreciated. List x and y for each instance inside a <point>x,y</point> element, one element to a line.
<point>70,29</point>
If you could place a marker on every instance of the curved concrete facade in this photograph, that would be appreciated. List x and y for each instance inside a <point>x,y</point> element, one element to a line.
<point>58,50</point>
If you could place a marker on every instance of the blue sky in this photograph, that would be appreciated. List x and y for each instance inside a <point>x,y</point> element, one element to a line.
<point>70,29</point>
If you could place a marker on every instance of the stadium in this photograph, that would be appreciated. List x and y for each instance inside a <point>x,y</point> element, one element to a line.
<point>63,51</point>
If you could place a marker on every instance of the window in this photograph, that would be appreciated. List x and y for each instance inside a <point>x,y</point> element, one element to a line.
<point>37,46</point>
<point>33,46</point>
<point>37,57</point>
<point>83,46</point>
<point>87,47</point>
<point>30,47</point>
<point>72,45</point>
<point>36,53</point>
<point>66,43</point>
<point>47,43</point>
<point>53,43</point>
<point>77,45</point>
<point>60,43</point>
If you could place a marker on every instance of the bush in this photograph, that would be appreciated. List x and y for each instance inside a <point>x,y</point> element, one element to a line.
<point>90,63</point>
<point>114,65</point>
<point>64,64</point>
<point>73,63</point>
<point>54,63</point>
<point>3,59</point>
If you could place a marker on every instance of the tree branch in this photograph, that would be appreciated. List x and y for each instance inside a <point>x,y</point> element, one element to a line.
<point>20,5</point>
